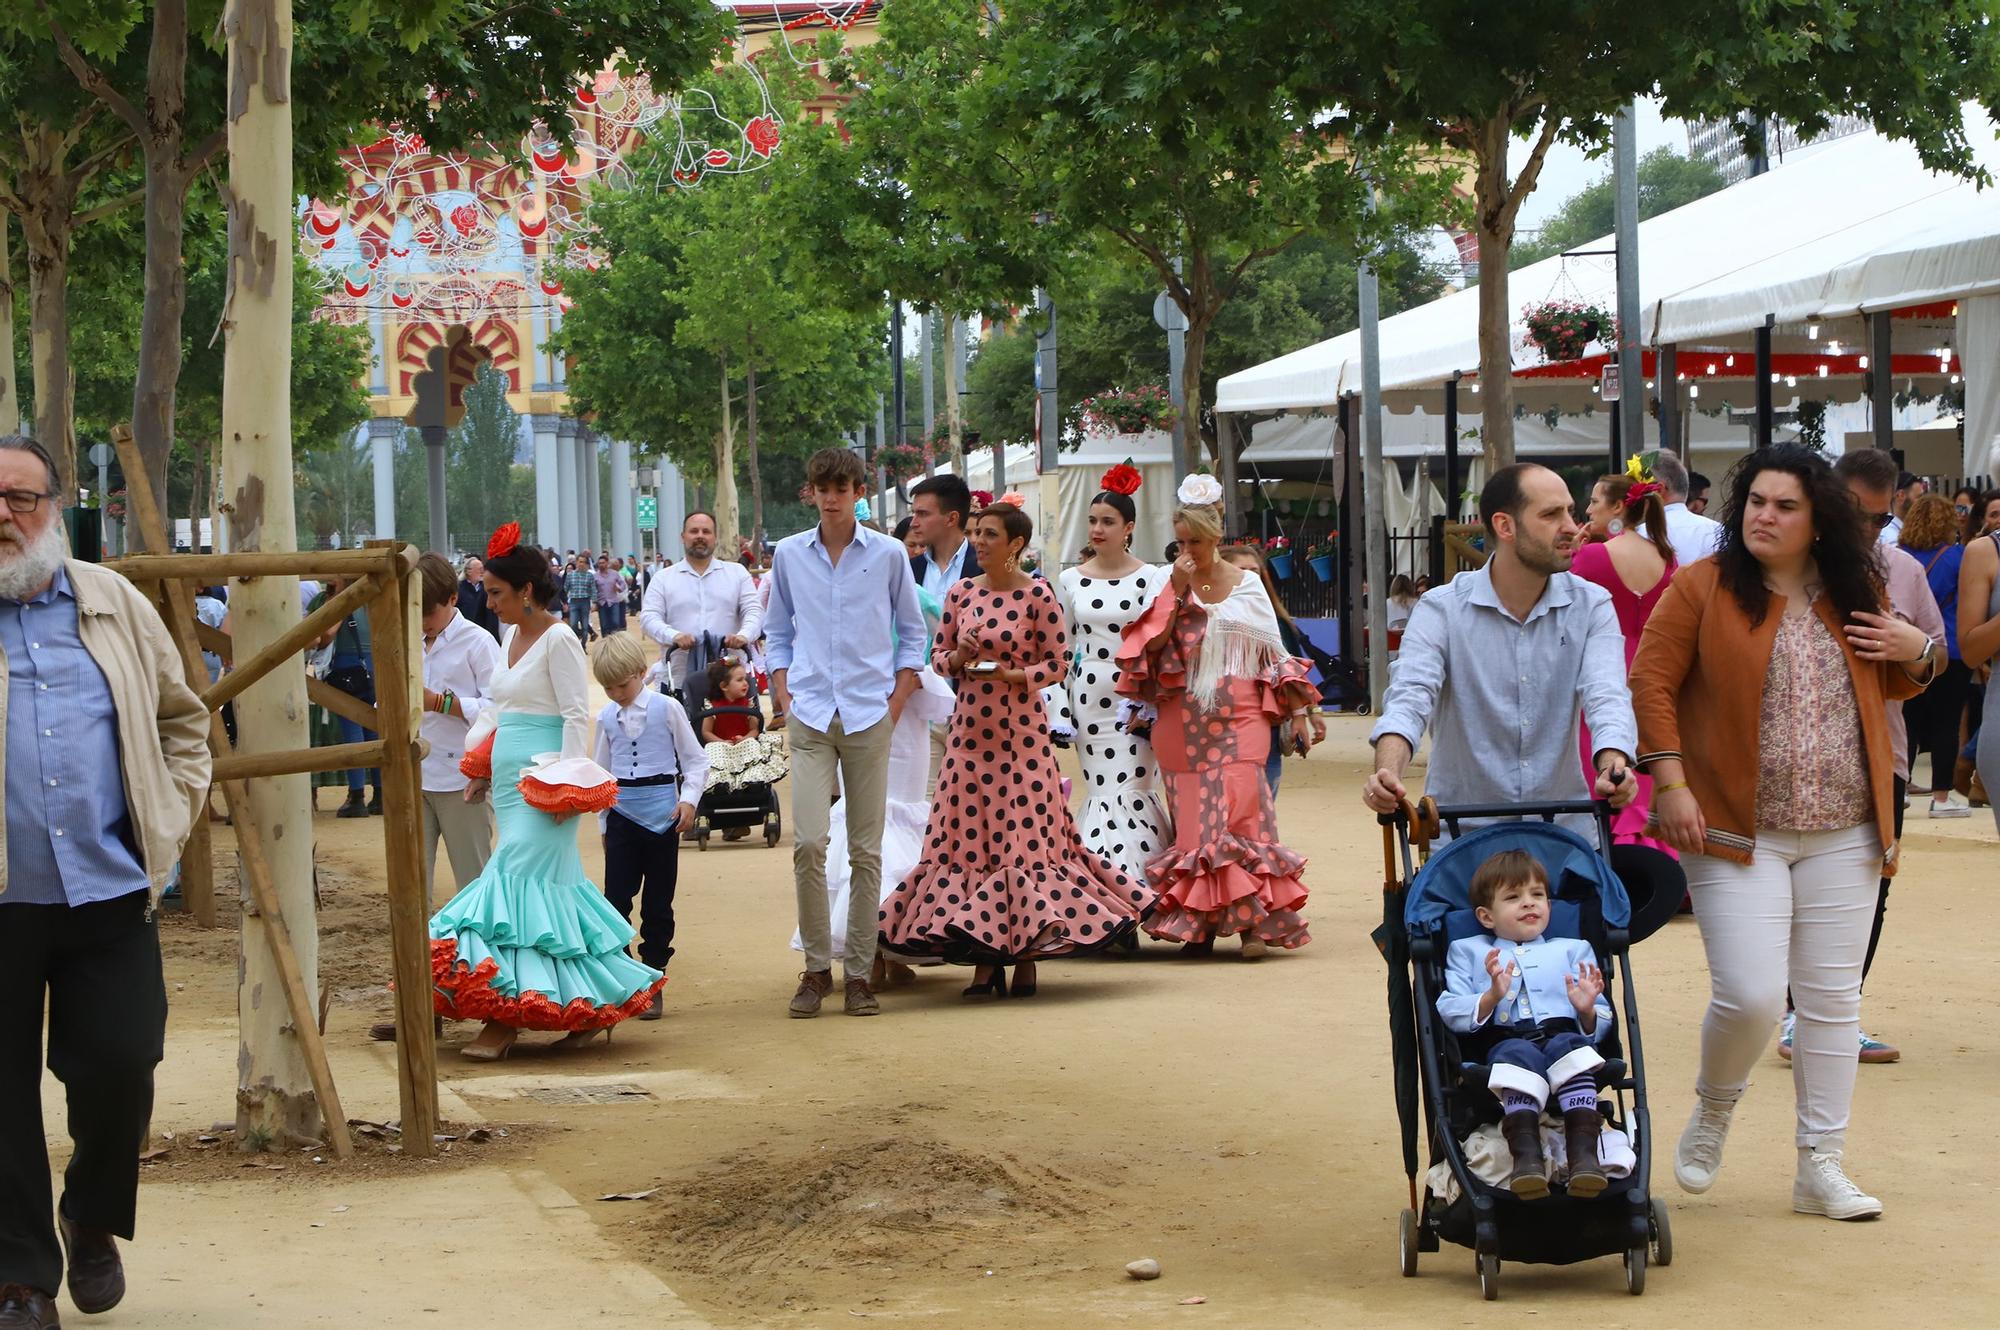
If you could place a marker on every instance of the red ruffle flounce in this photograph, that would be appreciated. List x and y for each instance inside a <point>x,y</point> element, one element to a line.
<point>567,798</point>
<point>477,764</point>
<point>465,994</point>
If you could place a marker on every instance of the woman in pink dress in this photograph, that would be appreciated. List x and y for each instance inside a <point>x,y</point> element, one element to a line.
<point>1004,878</point>
<point>1208,654</point>
<point>1626,551</point>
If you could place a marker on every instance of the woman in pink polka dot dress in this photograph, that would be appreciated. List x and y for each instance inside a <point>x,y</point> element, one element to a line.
<point>1208,654</point>
<point>1004,878</point>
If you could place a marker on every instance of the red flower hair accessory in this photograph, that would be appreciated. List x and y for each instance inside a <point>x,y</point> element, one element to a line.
<point>1122,479</point>
<point>504,541</point>
<point>982,498</point>
<point>1641,490</point>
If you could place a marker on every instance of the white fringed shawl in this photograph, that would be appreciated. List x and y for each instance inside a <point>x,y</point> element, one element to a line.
<point>1241,640</point>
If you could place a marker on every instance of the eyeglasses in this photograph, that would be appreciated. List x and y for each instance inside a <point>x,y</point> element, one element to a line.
<point>1881,520</point>
<point>1962,509</point>
<point>24,501</point>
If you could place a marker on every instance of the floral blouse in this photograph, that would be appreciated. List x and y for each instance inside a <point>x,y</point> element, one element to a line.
<point>1812,769</point>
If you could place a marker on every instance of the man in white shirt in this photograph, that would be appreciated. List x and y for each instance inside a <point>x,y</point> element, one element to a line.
<point>700,594</point>
<point>459,657</point>
<point>940,510</point>
<point>1909,489</point>
<point>1692,535</point>
<point>846,639</point>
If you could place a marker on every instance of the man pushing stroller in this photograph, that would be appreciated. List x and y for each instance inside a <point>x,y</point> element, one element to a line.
<point>1535,1005</point>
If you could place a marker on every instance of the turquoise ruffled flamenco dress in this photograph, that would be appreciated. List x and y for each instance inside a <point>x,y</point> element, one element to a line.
<point>531,942</point>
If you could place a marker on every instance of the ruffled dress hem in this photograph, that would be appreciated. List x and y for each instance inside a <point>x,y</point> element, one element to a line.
<point>467,993</point>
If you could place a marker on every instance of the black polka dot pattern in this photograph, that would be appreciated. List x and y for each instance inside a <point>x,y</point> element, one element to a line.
<point>1003,874</point>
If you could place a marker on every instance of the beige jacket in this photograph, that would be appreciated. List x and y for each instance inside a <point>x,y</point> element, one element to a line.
<point>162,726</point>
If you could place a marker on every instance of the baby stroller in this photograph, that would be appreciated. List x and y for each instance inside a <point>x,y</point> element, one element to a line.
<point>751,803</point>
<point>1422,915</point>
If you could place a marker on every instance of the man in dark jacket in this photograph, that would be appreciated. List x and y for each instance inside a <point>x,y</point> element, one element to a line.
<point>472,596</point>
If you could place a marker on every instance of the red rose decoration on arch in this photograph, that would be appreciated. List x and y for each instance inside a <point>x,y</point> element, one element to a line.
<point>1122,479</point>
<point>762,135</point>
<point>504,540</point>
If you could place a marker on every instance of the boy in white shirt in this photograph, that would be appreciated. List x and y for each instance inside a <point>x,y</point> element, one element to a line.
<point>1534,1006</point>
<point>644,739</point>
<point>459,657</point>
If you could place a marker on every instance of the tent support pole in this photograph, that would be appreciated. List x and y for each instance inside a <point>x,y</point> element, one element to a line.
<point>1344,564</point>
<point>1882,383</point>
<point>1451,472</point>
<point>1668,379</point>
<point>1765,411</point>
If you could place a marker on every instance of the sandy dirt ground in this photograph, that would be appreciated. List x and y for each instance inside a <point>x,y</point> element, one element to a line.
<point>953,1164</point>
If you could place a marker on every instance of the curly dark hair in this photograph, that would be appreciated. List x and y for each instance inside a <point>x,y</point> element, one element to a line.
<point>1843,544</point>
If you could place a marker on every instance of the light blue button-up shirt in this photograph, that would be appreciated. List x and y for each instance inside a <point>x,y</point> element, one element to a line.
<point>69,835</point>
<point>1501,697</point>
<point>1539,990</point>
<point>940,578</point>
<point>841,632</point>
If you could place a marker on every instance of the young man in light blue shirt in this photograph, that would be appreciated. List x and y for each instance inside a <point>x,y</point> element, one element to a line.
<point>845,638</point>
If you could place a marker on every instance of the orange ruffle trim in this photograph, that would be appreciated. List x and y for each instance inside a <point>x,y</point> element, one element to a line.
<point>477,764</point>
<point>567,798</point>
<point>464,994</point>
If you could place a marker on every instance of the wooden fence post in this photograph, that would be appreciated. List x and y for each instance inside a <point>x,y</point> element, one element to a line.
<point>395,615</point>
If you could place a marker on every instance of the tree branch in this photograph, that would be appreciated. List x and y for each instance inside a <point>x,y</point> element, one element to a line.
<point>89,77</point>
<point>1523,185</point>
<point>109,208</point>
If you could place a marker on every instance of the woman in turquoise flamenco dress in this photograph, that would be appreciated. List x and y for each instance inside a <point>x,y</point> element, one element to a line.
<point>531,944</point>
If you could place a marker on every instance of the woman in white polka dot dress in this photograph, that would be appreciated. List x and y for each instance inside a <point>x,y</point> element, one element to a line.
<point>1123,818</point>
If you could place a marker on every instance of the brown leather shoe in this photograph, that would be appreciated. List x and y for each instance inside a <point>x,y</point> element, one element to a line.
<point>1581,1127</point>
<point>813,986</point>
<point>1523,1130</point>
<point>96,1275</point>
<point>24,1308</point>
<point>861,999</point>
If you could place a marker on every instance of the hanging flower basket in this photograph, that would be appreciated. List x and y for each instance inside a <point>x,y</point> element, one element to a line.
<point>1128,411</point>
<point>900,461</point>
<point>1561,329</point>
<point>1278,552</point>
<point>1320,556</point>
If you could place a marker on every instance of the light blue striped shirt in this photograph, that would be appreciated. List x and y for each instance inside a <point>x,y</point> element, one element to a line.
<point>1501,697</point>
<point>841,632</point>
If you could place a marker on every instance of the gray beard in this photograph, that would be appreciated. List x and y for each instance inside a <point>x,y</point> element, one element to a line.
<point>26,569</point>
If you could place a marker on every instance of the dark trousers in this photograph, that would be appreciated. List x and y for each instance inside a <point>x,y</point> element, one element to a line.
<point>98,968</point>
<point>1933,718</point>
<point>644,865</point>
<point>1882,894</point>
<point>610,617</point>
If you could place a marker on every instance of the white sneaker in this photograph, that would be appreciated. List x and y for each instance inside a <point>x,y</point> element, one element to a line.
<point>1954,805</point>
<point>1698,1157</point>
<point>1823,1189</point>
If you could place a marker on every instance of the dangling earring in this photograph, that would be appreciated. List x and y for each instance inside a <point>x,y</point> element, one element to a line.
<point>1616,526</point>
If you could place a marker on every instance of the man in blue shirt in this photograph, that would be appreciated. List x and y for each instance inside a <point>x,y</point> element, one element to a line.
<point>106,756</point>
<point>845,638</point>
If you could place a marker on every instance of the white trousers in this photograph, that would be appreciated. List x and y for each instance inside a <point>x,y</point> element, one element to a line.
<point>1801,912</point>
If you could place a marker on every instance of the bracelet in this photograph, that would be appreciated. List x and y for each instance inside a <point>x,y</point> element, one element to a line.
<point>1677,785</point>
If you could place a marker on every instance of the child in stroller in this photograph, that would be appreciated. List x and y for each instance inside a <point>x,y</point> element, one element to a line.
<point>1535,1004</point>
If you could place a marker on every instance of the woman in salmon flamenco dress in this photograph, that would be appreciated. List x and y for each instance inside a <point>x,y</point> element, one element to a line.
<point>1208,654</point>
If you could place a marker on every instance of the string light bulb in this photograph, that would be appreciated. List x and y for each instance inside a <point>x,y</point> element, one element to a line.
<point>1822,371</point>
<point>1694,390</point>
<point>1864,362</point>
<point>1812,332</point>
<point>1729,360</point>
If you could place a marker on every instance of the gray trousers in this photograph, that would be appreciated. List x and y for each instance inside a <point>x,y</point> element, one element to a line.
<point>467,831</point>
<point>861,762</point>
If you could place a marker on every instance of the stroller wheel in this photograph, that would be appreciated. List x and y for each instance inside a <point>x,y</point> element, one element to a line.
<point>1663,1235</point>
<point>1489,1276</point>
<point>1406,1243</point>
<point>1635,1271</point>
<point>771,831</point>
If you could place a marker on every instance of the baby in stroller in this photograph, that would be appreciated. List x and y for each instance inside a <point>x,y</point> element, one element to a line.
<point>1534,1005</point>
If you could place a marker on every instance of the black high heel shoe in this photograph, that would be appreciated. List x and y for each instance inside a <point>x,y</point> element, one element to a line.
<point>1021,988</point>
<point>996,987</point>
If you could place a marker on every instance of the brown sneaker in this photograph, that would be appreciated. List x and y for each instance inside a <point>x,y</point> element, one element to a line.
<point>813,985</point>
<point>861,999</point>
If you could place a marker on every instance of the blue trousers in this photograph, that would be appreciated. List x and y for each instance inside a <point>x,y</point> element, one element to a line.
<point>579,617</point>
<point>1539,1069</point>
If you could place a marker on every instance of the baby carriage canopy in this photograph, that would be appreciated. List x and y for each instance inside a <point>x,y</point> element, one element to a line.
<point>1574,869</point>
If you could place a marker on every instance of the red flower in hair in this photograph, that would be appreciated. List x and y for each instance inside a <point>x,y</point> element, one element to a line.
<point>1122,479</point>
<point>982,498</point>
<point>504,540</point>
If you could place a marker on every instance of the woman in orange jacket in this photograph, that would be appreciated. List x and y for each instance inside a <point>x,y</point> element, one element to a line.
<point>1759,687</point>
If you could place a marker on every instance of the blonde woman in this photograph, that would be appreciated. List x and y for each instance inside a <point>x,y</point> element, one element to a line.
<point>1209,655</point>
